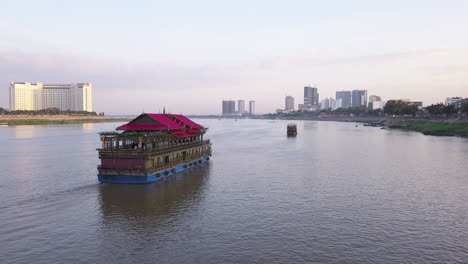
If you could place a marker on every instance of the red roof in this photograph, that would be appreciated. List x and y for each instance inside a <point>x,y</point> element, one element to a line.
<point>187,121</point>
<point>165,121</point>
<point>141,127</point>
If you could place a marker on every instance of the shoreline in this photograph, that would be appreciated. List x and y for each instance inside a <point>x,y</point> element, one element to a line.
<point>14,120</point>
<point>430,127</point>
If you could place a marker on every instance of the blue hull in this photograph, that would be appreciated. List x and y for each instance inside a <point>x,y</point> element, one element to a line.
<point>152,177</point>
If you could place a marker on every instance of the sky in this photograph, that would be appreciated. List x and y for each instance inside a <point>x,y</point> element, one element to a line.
<point>187,56</point>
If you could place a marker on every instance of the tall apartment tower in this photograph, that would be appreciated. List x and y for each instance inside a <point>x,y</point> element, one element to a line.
<point>311,97</point>
<point>38,96</point>
<point>229,107</point>
<point>240,107</point>
<point>359,98</point>
<point>345,97</point>
<point>289,103</point>
<point>252,107</point>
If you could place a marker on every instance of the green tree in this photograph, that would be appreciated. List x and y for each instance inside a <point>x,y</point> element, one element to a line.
<point>399,107</point>
<point>355,110</point>
<point>409,109</point>
<point>464,107</point>
<point>436,109</point>
<point>450,109</point>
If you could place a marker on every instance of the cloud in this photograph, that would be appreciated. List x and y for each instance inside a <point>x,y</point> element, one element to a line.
<point>377,58</point>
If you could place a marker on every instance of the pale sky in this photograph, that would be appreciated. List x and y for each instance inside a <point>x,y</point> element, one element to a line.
<point>189,55</point>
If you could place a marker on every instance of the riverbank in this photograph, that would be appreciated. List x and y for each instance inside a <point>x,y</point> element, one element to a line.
<point>13,120</point>
<point>433,128</point>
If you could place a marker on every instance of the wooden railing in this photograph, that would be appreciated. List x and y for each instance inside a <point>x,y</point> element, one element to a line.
<point>155,151</point>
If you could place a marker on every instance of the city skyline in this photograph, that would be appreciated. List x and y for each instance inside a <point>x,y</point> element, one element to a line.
<point>208,51</point>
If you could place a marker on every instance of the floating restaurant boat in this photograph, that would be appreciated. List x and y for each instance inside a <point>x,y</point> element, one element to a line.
<point>152,147</point>
<point>292,130</point>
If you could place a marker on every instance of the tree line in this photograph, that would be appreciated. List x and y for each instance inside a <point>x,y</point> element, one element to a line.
<point>399,108</point>
<point>392,108</point>
<point>48,111</point>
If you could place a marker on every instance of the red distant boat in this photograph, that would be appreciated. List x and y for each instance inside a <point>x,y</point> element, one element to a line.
<point>292,130</point>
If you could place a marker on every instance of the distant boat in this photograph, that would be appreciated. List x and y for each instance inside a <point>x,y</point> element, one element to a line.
<point>3,124</point>
<point>292,130</point>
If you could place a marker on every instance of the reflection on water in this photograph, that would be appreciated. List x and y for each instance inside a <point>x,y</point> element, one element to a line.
<point>88,126</point>
<point>147,202</point>
<point>336,193</point>
<point>24,131</point>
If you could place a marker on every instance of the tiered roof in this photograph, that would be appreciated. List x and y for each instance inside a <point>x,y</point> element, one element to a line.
<point>178,125</point>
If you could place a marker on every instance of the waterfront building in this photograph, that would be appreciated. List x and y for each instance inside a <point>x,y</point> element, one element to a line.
<point>252,107</point>
<point>359,98</point>
<point>311,97</point>
<point>345,97</point>
<point>419,104</point>
<point>453,101</point>
<point>375,105</point>
<point>331,103</point>
<point>378,105</point>
<point>374,98</point>
<point>325,104</point>
<point>302,107</point>
<point>307,108</point>
<point>289,103</point>
<point>38,96</point>
<point>240,107</point>
<point>229,107</point>
<point>338,104</point>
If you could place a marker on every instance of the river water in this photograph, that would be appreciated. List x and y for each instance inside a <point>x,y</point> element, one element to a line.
<point>336,193</point>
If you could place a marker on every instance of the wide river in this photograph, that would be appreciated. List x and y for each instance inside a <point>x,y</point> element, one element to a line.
<point>337,193</point>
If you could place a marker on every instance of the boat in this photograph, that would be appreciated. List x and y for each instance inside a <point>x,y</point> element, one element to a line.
<point>292,130</point>
<point>150,148</point>
<point>3,124</point>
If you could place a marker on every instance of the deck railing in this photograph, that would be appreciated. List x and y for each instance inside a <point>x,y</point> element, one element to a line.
<point>154,151</point>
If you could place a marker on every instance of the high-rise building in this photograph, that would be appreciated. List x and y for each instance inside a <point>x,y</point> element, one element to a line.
<point>289,103</point>
<point>325,104</point>
<point>359,98</point>
<point>240,107</point>
<point>252,107</point>
<point>331,103</point>
<point>38,96</point>
<point>345,97</point>
<point>229,107</point>
<point>338,104</point>
<point>453,101</point>
<point>311,97</point>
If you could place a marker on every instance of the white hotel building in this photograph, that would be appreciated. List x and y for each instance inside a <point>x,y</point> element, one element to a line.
<point>38,96</point>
